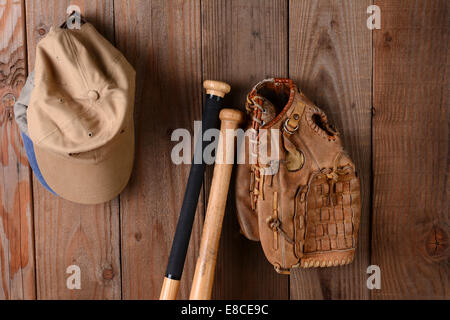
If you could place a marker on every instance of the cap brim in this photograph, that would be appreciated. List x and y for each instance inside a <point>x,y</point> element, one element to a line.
<point>87,182</point>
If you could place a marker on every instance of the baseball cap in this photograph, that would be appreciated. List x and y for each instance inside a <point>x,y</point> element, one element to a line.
<point>80,115</point>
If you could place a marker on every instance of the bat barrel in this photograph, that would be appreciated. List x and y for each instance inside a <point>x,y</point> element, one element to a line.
<point>204,271</point>
<point>215,90</point>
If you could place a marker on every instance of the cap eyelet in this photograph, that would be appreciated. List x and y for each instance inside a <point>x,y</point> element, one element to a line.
<point>93,95</point>
<point>90,134</point>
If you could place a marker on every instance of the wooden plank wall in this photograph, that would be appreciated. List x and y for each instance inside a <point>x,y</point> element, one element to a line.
<point>17,259</point>
<point>330,58</point>
<point>243,43</point>
<point>386,90</point>
<point>411,150</point>
<point>165,47</point>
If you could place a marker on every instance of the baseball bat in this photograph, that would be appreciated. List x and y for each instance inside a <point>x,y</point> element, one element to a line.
<point>215,91</point>
<point>204,271</point>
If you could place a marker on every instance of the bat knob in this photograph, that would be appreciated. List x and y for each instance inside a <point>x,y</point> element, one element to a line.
<point>231,115</point>
<point>216,88</point>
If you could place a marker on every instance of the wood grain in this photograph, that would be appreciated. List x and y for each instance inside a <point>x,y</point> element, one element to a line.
<point>162,40</point>
<point>17,264</point>
<point>244,42</point>
<point>66,233</point>
<point>330,59</point>
<point>411,150</point>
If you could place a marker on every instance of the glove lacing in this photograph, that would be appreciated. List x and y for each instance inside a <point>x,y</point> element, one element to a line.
<point>255,108</point>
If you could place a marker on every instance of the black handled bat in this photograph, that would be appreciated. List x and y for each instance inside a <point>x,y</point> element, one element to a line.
<point>215,91</point>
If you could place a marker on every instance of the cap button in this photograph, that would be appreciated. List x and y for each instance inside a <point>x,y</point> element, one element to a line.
<point>93,95</point>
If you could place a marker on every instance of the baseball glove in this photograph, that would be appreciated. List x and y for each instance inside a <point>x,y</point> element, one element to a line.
<point>297,191</point>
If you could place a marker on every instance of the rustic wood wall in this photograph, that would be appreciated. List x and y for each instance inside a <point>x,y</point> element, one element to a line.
<point>387,90</point>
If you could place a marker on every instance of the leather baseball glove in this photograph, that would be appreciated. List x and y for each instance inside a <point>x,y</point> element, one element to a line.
<point>297,191</point>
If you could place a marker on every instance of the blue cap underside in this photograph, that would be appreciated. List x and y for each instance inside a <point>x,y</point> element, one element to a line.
<point>29,148</point>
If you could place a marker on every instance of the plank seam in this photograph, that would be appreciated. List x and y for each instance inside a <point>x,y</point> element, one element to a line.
<point>202,98</point>
<point>371,215</point>
<point>30,176</point>
<point>119,197</point>
<point>288,25</point>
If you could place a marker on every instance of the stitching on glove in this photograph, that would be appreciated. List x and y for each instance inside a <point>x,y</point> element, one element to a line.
<point>254,105</point>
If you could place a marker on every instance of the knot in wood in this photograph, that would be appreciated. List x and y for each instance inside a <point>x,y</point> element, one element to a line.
<point>108,274</point>
<point>8,100</point>
<point>436,242</point>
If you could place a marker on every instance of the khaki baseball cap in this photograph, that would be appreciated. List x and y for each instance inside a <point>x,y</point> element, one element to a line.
<point>80,115</point>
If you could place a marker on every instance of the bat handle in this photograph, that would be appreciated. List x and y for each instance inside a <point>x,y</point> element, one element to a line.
<point>204,271</point>
<point>169,289</point>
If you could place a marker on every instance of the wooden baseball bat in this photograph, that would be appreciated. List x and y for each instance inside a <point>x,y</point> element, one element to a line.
<point>204,271</point>
<point>215,91</point>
